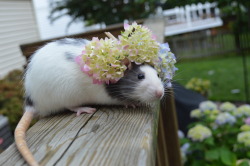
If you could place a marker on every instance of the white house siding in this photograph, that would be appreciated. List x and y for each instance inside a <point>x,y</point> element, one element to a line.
<point>17,26</point>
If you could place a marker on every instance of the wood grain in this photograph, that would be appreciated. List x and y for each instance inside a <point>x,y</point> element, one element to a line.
<point>168,143</point>
<point>112,136</point>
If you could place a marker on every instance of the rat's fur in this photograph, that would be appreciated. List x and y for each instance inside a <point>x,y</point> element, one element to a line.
<point>54,82</point>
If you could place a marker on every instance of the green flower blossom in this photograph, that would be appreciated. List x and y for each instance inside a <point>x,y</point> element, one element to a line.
<point>139,44</point>
<point>243,110</point>
<point>244,137</point>
<point>245,127</point>
<point>207,105</point>
<point>196,114</point>
<point>227,107</point>
<point>102,59</point>
<point>199,133</point>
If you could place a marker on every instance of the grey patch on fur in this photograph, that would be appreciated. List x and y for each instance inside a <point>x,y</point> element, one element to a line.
<point>28,101</point>
<point>125,86</point>
<point>71,41</point>
<point>69,56</point>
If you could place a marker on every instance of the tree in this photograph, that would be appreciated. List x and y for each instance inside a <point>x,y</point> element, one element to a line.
<point>102,11</point>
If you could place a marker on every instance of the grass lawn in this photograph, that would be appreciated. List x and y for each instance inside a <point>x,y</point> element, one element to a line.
<point>225,74</point>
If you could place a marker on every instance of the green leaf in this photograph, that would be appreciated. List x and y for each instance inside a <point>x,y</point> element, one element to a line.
<point>248,154</point>
<point>209,141</point>
<point>212,155</point>
<point>227,157</point>
<point>198,163</point>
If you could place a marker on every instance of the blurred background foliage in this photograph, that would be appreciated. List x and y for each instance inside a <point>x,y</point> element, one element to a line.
<point>116,11</point>
<point>11,97</point>
<point>102,11</point>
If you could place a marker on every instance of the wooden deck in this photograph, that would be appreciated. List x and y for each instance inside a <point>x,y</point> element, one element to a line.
<point>112,136</point>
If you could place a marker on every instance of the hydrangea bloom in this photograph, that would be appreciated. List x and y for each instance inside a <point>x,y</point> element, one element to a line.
<point>184,151</point>
<point>183,157</point>
<point>213,114</point>
<point>139,44</point>
<point>245,127</point>
<point>105,60</point>
<point>101,59</point>
<point>207,105</point>
<point>196,113</point>
<point>225,118</point>
<point>165,67</point>
<point>227,107</point>
<point>243,110</point>
<point>199,133</point>
<point>185,147</point>
<point>180,134</point>
<point>244,137</point>
<point>247,121</point>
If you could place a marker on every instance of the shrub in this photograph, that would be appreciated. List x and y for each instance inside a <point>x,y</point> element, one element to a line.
<point>11,97</point>
<point>199,85</point>
<point>220,136</point>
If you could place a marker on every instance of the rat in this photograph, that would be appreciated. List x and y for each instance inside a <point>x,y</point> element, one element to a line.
<point>54,82</point>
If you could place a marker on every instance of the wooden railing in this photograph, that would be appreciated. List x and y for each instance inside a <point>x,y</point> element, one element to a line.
<point>113,136</point>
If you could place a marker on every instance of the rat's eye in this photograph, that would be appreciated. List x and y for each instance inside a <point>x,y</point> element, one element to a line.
<point>141,76</point>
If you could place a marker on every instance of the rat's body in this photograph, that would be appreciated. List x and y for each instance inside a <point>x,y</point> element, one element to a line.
<point>54,82</point>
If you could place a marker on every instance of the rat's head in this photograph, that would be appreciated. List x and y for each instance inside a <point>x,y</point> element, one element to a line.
<point>139,84</point>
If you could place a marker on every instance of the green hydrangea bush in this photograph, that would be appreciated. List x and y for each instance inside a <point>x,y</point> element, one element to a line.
<point>219,137</point>
<point>199,85</point>
<point>11,97</point>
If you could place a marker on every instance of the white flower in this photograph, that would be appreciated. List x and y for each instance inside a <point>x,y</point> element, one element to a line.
<point>185,147</point>
<point>180,134</point>
<point>184,151</point>
<point>183,157</point>
<point>227,107</point>
<point>207,105</point>
<point>199,133</point>
<point>196,113</point>
<point>244,137</point>
<point>243,110</point>
<point>224,118</point>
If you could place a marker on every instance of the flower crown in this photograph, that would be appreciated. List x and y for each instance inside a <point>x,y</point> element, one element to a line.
<point>106,60</point>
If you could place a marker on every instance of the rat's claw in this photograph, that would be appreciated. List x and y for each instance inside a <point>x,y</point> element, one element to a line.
<point>80,110</point>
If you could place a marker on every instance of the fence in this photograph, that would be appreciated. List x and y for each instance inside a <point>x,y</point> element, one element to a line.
<point>191,18</point>
<point>204,44</point>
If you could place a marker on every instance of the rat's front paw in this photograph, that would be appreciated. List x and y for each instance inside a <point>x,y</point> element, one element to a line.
<point>80,110</point>
<point>130,105</point>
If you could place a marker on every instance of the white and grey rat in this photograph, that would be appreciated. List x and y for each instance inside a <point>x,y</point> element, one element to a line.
<point>54,82</point>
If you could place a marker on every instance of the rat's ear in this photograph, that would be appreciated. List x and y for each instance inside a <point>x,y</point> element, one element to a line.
<point>127,63</point>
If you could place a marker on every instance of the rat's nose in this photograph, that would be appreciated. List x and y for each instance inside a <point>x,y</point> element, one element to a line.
<point>158,93</point>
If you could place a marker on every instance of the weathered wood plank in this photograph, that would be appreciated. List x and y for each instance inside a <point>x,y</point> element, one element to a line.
<point>111,136</point>
<point>47,138</point>
<point>168,130</point>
